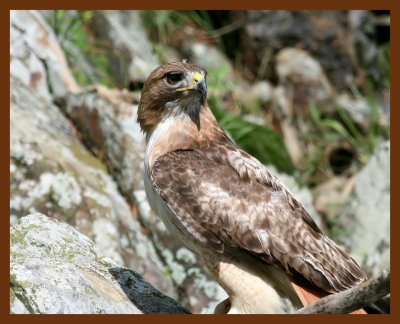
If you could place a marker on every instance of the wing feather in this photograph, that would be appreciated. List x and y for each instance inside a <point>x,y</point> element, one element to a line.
<point>228,196</point>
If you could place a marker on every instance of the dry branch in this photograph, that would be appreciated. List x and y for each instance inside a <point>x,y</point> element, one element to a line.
<point>352,299</point>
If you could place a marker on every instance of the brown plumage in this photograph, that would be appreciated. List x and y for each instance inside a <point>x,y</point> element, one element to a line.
<point>218,198</point>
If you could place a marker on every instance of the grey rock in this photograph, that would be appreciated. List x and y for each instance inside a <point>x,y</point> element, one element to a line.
<point>361,24</point>
<point>36,57</point>
<point>207,56</point>
<point>368,213</point>
<point>107,121</point>
<point>299,67</point>
<point>358,108</point>
<point>54,269</point>
<point>302,82</point>
<point>253,97</point>
<point>131,53</point>
<point>51,172</point>
<point>362,112</point>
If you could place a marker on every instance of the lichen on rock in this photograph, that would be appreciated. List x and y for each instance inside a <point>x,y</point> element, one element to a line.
<point>55,269</point>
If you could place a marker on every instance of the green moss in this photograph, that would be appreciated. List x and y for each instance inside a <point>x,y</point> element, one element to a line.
<point>13,280</point>
<point>86,158</point>
<point>68,240</point>
<point>12,296</point>
<point>35,227</point>
<point>19,292</point>
<point>18,238</point>
<point>89,291</point>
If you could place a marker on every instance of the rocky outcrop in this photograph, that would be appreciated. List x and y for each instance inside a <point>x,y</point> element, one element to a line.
<point>367,216</point>
<point>54,269</point>
<point>53,173</point>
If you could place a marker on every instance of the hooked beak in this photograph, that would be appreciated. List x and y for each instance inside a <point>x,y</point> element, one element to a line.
<point>198,83</point>
<point>202,88</point>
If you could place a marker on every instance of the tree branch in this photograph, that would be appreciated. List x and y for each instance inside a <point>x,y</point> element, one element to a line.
<point>352,299</point>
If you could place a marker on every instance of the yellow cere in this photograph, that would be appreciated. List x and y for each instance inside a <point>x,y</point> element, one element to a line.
<point>197,77</point>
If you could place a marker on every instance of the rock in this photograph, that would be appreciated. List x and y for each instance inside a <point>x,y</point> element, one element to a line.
<point>332,195</point>
<point>302,82</point>
<point>51,172</point>
<point>207,56</point>
<point>255,96</point>
<point>362,27</point>
<point>84,53</point>
<point>284,112</point>
<point>36,57</point>
<point>302,76</point>
<point>107,122</point>
<point>361,112</point>
<point>367,217</point>
<point>358,109</point>
<point>130,51</point>
<point>54,269</point>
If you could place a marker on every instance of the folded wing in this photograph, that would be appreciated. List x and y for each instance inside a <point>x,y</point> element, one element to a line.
<point>231,199</point>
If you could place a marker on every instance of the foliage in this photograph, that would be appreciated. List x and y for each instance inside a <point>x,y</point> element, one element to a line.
<point>384,64</point>
<point>165,25</point>
<point>218,79</point>
<point>165,22</point>
<point>72,29</point>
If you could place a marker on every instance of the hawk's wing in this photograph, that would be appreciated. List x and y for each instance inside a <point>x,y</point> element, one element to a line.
<point>225,194</point>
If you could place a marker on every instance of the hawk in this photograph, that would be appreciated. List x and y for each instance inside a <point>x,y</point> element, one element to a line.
<point>256,239</point>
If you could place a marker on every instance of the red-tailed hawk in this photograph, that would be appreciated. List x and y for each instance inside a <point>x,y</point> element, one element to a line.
<point>256,238</point>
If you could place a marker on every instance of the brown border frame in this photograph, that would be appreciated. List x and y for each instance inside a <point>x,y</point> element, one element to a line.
<point>6,6</point>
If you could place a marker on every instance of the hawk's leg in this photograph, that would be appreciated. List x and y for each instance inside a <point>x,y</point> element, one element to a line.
<point>253,287</point>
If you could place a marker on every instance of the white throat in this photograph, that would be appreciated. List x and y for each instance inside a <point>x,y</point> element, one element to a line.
<point>160,130</point>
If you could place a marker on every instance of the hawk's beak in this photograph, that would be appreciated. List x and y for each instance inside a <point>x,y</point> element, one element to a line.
<point>198,84</point>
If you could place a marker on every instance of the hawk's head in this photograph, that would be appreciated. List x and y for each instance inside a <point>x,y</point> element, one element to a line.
<point>172,89</point>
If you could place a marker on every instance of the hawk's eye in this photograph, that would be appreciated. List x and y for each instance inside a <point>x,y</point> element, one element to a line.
<point>174,77</point>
